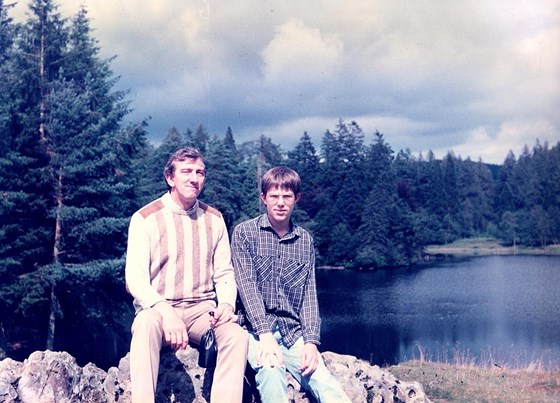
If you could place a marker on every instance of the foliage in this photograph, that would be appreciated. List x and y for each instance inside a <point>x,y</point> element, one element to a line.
<point>92,311</point>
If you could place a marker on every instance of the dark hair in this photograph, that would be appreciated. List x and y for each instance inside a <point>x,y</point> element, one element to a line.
<point>189,153</point>
<point>281,177</point>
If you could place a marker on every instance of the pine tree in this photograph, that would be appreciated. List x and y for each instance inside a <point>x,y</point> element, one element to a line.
<point>305,161</point>
<point>506,199</point>
<point>342,189</point>
<point>73,189</point>
<point>451,198</point>
<point>153,179</point>
<point>222,189</point>
<point>356,182</point>
<point>374,231</point>
<point>33,66</point>
<point>82,128</point>
<point>256,157</point>
<point>476,192</point>
<point>329,179</point>
<point>198,139</point>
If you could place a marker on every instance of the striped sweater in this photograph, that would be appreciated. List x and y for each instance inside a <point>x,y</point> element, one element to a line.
<point>178,256</point>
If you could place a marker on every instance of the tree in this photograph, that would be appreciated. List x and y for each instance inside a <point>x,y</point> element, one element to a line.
<point>72,201</point>
<point>341,184</point>
<point>199,139</point>
<point>506,197</point>
<point>33,65</point>
<point>509,228</point>
<point>305,161</point>
<point>430,203</point>
<point>81,135</point>
<point>382,231</point>
<point>257,157</point>
<point>450,184</point>
<point>476,192</point>
<point>222,189</point>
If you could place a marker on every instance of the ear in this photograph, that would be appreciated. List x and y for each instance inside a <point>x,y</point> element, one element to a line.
<point>263,198</point>
<point>298,196</point>
<point>170,181</point>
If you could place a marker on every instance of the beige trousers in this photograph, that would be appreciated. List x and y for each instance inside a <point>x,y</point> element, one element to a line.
<point>147,339</point>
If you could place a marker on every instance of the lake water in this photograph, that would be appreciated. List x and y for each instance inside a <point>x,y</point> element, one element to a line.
<point>503,310</point>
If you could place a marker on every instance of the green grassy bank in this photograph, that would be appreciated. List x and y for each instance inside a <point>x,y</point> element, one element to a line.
<point>466,383</point>
<point>488,246</point>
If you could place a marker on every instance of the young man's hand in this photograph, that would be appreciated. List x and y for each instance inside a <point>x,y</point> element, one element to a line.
<point>309,359</point>
<point>269,353</point>
<point>223,314</point>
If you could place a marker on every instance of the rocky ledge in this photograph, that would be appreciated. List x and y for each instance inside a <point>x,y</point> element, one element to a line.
<point>48,376</point>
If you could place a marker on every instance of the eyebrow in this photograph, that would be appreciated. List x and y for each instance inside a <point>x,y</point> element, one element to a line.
<point>192,169</point>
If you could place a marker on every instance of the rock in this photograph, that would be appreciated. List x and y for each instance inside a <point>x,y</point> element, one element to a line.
<point>10,372</point>
<point>49,376</point>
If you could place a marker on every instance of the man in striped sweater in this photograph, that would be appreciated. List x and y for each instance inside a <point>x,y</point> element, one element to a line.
<point>178,269</point>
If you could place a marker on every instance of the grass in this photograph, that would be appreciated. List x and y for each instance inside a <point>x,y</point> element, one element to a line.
<point>463,381</point>
<point>488,246</point>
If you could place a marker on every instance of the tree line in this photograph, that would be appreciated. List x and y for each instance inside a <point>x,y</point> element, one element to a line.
<point>72,173</point>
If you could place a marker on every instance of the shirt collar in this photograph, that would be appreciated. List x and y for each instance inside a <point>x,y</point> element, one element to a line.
<point>264,223</point>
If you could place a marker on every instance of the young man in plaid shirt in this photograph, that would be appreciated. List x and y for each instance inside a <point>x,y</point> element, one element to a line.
<point>274,262</point>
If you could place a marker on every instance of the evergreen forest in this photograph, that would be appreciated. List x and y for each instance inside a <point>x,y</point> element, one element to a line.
<point>72,173</point>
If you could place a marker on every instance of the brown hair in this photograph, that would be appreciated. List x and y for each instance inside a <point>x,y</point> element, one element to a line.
<point>281,177</point>
<point>189,153</point>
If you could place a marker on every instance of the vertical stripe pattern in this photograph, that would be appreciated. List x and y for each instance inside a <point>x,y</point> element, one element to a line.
<point>183,264</point>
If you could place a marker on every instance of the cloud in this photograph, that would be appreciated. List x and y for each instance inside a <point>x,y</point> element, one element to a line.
<point>478,78</point>
<point>512,136</point>
<point>300,55</point>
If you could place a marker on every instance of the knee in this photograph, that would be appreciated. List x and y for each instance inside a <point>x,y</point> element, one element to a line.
<point>233,334</point>
<point>269,372</point>
<point>271,378</point>
<point>147,322</point>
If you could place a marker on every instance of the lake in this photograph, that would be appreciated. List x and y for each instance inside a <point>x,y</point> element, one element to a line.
<point>503,310</point>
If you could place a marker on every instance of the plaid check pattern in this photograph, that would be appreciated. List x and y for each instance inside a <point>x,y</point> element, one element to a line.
<point>276,280</point>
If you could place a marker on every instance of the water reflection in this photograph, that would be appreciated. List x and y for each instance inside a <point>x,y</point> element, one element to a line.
<point>502,309</point>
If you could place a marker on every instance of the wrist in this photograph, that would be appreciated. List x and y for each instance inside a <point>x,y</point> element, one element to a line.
<point>265,336</point>
<point>226,307</point>
<point>163,307</point>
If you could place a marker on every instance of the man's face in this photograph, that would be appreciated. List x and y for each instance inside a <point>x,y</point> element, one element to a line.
<point>280,203</point>
<point>187,181</point>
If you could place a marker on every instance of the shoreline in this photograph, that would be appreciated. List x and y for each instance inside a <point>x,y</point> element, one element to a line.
<point>487,247</point>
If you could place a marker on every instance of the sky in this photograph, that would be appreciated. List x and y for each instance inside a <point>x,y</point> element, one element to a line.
<point>478,78</point>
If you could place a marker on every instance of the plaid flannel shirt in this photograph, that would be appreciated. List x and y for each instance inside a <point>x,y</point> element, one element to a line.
<point>276,280</point>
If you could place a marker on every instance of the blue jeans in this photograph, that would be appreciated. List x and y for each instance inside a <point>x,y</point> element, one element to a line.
<point>272,382</point>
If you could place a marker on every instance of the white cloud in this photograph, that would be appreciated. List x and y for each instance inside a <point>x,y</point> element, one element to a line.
<point>300,54</point>
<point>511,136</point>
<point>476,77</point>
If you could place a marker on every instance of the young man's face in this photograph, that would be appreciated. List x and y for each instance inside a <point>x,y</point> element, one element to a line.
<point>187,181</point>
<point>280,203</point>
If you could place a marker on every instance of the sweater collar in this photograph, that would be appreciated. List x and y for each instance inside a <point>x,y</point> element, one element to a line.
<point>170,203</point>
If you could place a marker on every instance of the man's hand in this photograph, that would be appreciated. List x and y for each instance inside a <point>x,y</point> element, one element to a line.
<point>309,359</point>
<point>223,314</point>
<point>174,329</point>
<point>269,352</point>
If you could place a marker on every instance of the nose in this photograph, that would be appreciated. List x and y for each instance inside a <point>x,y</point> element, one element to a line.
<point>193,177</point>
